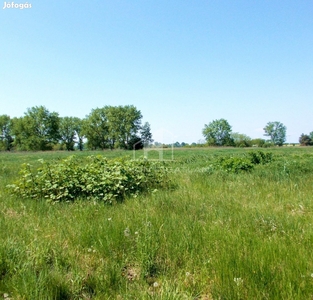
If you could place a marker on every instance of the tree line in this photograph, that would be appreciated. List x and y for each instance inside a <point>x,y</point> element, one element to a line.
<point>108,127</point>
<point>112,127</point>
<point>219,133</point>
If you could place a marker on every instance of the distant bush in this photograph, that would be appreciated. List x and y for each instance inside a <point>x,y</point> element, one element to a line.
<point>257,142</point>
<point>259,157</point>
<point>99,179</point>
<point>267,145</point>
<point>235,164</point>
<point>305,140</point>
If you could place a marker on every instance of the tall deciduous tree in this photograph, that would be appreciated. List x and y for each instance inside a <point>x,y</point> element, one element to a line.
<point>115,127</point>
<point>217,133</point>
<point>123,125</point>
<point>37,130</point>
<point>6,139</point>
<point>67,132</point>
<point>96,129</point>
<point>146,135</point>
<point>276,131</point>
<point>130,121</point>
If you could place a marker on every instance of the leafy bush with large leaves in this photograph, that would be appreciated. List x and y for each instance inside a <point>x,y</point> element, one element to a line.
<point>236,164</point>
<point>98,178</point>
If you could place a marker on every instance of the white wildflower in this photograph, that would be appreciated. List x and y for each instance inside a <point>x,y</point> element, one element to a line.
<point>127,232</point>
<point>238,281</point>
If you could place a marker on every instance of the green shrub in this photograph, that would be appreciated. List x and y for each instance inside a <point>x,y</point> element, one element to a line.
<point>98,178</point>
<point>259,157</point>
<point>235,164</point>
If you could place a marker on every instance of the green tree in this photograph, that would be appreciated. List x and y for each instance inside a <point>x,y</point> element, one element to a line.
<point>130,121</point>
<point>305,140</point>
<point>67,132</point>
<point>6,139</point>
<point>124,123</point>
<point>146,135</point>
<point>276,131</point>
<point>114,116</point>
<point>217,133</point>
<point>96,129</point>
<point>112,126</point>
<point>37,130</point>
<point>240,139</point>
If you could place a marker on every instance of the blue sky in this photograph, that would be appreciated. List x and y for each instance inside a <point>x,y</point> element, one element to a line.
<point>182,63</point>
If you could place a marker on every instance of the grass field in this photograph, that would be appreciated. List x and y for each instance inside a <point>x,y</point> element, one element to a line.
<point>213,235</point>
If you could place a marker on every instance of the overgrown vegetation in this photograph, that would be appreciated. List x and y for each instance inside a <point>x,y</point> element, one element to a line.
<point>217,235</point>
<point>98,179</point>
<point>235,164</point>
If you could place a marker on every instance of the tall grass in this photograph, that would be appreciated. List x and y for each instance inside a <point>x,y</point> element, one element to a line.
<point>217,235</point>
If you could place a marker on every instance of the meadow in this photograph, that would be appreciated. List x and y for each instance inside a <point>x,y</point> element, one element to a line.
<point>212,234</point>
